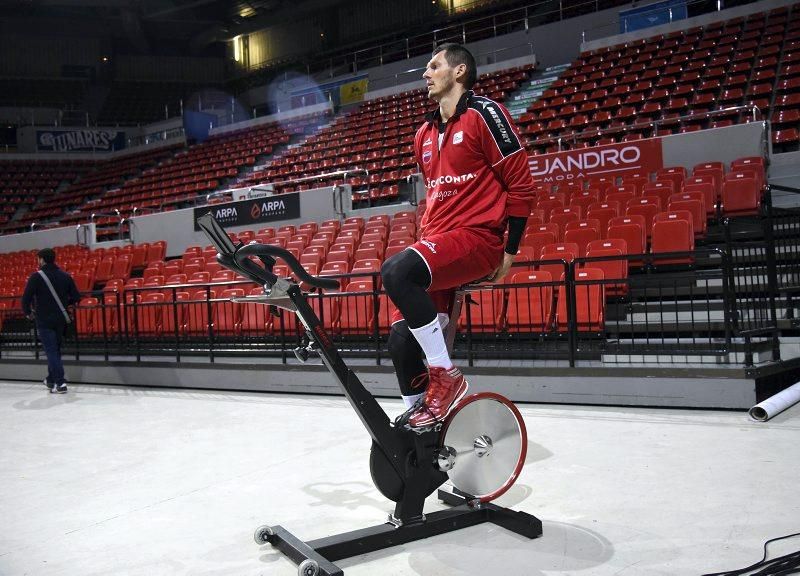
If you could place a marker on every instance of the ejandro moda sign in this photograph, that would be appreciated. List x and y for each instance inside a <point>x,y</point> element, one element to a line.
<point>256,211</point>
<point>643,156</point>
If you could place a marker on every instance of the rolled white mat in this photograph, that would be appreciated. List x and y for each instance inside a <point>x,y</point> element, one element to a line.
<point>774,405</point>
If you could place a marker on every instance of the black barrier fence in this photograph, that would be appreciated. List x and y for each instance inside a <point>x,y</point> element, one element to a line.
<point>765,268</point>
<point>683,307</point>
<point>624,309</point>
<point>785,227</point>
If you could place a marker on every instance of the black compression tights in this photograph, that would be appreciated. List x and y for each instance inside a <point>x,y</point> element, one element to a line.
<point>406,278</point>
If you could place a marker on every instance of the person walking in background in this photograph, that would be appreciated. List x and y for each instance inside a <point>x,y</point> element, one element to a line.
<point>47,295</point>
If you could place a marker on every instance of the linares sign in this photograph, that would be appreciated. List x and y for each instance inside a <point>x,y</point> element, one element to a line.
<point>256,211</point>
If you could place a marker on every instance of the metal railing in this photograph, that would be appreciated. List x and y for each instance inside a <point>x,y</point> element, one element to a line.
<point>612,27</point>
<point>648,128</point>
<point>720,304</point>
<point>497,23</point>
<point>655,312</point>
<point>415,74</point>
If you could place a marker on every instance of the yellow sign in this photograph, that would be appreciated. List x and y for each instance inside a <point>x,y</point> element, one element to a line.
<point>353,91</point>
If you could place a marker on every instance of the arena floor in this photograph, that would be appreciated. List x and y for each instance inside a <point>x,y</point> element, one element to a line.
<point>135,481</point>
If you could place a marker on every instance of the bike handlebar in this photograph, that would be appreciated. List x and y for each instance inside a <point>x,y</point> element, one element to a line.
<point>260,250</point>
<point>237,258</point>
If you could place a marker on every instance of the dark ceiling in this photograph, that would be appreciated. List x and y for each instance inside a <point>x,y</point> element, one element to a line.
<point>152,26</point>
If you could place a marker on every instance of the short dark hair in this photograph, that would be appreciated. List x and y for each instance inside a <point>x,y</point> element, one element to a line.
<point>47,254</point>
<point>456,54</point>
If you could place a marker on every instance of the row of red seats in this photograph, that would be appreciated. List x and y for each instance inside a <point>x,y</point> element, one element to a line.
<point>534,303</point>
<point>27,182</point>
<point>736,192</point>
<point>178,179</point>
<point>107,174</point>
<point>664,77</point>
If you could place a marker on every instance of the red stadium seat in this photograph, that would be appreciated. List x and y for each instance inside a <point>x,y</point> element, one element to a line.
<point>740,196</point>
<point>581,237</point>
<point>88,316</point>
<point>603,216</point>
<point>695,206</point>
<point>589,302</point>
<point>198,319</point>
<point>358,310</point>
<point>530,308</point>
<point>228,315</point>
<point>673,235</point>
<point>157,251</point>
<point>647,211</point>
<point>704,186</point>
<point>256,320</point>
<point>329,312</point>
<point>121,267</point>
<point>558,251</point>
<point>485,309</point>
<point>104,271</point>
<point>139,256</point>
<point>631,230</point>
<point>537,240</point>
<point>149,311</point>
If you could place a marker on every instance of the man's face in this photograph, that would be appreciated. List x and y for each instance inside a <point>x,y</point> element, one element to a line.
<point>440,77</point>
<point>41,262</point>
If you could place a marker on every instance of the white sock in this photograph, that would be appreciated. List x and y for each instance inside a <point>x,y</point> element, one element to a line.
<point>431,339</point>
<point>409,401</point>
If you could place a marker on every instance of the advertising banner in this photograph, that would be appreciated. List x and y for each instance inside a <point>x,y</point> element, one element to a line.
<point>80,140</point>
<point>619,159</point>
<point>353,92</point>
<point>255,211</point>
<point>261,191</point>
<point>653,14</point>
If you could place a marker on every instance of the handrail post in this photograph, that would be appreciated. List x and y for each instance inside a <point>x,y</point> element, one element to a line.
<point>470,360</point>
<point>772,272</point>
<point>210,312</point>
<point>376,310</point>
<point>569,278</point>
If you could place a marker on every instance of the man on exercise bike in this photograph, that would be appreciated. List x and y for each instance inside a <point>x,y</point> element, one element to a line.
<point>478,184</point>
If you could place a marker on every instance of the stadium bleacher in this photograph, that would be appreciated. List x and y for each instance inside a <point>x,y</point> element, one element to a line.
<point>620,224</point>
<point>670,84</point>
<point>565,225</point>
<point>376,139</point>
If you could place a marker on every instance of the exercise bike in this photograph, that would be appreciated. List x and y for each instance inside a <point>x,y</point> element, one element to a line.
<point>480,447</point>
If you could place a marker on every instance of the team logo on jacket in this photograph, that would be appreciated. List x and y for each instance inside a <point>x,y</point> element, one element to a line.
<point>431,246</point>
<point>458,137</point>
<point>426,156</point>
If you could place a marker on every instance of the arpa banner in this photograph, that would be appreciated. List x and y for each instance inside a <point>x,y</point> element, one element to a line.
<point>255,211</point>
<point>88,140</point>
<point>643,156</point>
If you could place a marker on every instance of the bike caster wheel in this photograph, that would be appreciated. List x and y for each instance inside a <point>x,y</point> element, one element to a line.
<point>308,568</point>
<point>263,534</point>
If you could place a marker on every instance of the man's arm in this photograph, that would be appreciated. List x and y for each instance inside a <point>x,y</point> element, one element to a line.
<point>74,296</point>
<point>503,148</point>
<point>27,296</point>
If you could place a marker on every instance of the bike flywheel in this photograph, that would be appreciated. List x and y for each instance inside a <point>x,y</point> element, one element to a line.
<point>489,437</point>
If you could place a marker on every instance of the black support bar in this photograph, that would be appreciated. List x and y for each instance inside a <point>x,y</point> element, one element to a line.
<point>327,550</point>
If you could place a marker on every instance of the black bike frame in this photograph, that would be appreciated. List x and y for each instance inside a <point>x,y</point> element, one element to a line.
<point>278,292</point>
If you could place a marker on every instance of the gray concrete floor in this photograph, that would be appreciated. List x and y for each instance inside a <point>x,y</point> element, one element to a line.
<point>119,481</point>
